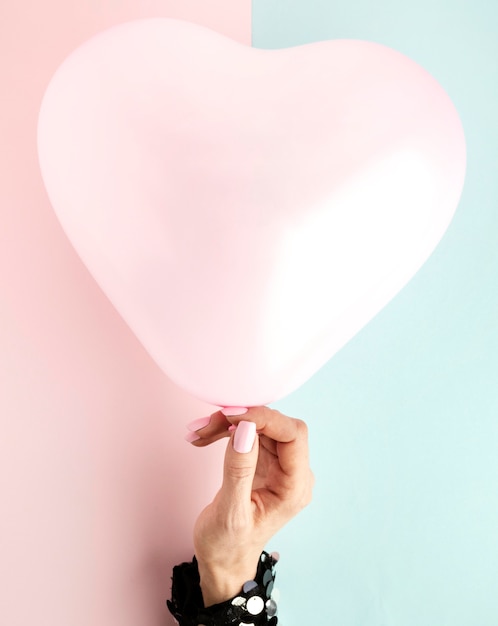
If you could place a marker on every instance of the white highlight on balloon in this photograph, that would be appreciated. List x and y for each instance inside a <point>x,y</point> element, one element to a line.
<point>362,235</point>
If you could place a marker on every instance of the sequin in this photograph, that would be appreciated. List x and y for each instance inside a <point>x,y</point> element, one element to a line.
<point>275,594</point>
<point>246,624</point>
<point>238,601</point>
<point>269,588</point>
<point>263,557</point>
<point>267,577</point>
<point>249,585</point>
<point>255,605</point>
<point>271,607</point>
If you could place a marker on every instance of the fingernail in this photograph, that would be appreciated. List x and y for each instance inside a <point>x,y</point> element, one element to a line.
<point>233,410</point>
<point>199,423</point>
<point>231,428</point>
<point>244,437</point>
<point>191,437</point>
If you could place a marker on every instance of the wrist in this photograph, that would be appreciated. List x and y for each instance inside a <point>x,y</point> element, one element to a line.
<point>220,583</point>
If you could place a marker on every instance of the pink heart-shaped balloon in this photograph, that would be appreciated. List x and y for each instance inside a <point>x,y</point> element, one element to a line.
<point>247,211</point>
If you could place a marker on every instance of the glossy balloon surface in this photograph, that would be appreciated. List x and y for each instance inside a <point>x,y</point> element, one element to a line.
<point>247,211</point>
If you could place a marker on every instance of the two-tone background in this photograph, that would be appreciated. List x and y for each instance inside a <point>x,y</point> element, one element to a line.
<point>98,490</point>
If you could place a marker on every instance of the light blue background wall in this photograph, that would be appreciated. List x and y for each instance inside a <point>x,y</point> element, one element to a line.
<point>403,530</point>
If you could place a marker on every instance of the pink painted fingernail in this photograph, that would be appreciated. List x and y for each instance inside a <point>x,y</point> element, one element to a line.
<point>234,410</point>
<point>244,437</point>
<point>199,423</point>
<point>231,428</point>
<point>191,437</point>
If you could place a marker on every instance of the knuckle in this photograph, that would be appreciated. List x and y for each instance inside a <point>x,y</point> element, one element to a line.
<point>306,499</point>
<point>300,500</point>
<point>301,428</point>
<point>239,472</point>
<point>312,479</point>
<point>307,493</point>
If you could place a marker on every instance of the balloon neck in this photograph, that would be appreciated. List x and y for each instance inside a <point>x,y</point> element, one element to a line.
<point>234,410</point>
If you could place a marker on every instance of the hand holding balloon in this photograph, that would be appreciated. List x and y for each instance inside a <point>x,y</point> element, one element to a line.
<point>267,481</point>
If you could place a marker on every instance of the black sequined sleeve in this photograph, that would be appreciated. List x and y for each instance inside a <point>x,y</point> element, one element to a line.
<point>253,605</point>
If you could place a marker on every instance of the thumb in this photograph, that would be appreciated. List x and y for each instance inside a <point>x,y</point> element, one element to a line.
<point>241,458</point>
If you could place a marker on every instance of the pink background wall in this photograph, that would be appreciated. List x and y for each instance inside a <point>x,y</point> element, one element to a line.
<point>98,489</point>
